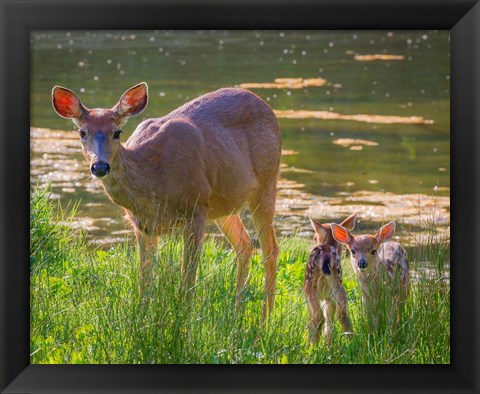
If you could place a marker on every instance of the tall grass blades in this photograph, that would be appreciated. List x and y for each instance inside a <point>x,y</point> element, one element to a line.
<point>85,306</point>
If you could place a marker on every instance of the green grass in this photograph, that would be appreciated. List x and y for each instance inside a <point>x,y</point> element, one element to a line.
<point>85,306</point>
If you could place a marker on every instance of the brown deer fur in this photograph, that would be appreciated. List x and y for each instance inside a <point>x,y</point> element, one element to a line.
<point>323,284</point>
<point>374,259</point>
<point>204,161</point>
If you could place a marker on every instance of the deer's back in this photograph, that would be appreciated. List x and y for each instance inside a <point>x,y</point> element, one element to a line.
<point>225,143</point>
<point>237,113</point>
<point>394,257</point>
<point>331,279</point>
<point>231,122</point>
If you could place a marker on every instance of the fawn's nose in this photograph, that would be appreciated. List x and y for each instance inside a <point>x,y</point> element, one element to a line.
<point>100,169</point>
<point>362,264</point>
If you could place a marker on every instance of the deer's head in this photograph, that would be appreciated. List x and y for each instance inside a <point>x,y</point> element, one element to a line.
<point>99,129</point>
<point>363,248</point>
<point>323,232</point>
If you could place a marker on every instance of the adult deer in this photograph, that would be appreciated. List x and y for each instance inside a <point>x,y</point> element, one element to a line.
<point>204,161</point>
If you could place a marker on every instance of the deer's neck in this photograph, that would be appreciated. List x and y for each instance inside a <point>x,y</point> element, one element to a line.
<point>124,184</point>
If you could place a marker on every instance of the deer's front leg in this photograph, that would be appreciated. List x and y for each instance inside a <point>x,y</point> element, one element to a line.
<point>147,245</point>
<point>193,239</point>
<point>370,299</point>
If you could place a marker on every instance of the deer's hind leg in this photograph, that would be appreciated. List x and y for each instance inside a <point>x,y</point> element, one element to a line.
<point>233,229</point>
<point>340,297</point>
<point>328,308</point>
<point>262,207</point>
<point>316,319</point>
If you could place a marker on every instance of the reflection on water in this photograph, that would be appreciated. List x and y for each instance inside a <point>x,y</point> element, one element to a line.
<point>57,161</point>
<point>369,58</point>
<point>328,115</point>
<point>285,83</point>
<point>363,130</point>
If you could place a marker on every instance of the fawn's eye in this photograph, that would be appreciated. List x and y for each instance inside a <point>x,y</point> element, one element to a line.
<point>116,135</point>
<point>82,134</point>
<point>373,252</point>
<point>353,251</point>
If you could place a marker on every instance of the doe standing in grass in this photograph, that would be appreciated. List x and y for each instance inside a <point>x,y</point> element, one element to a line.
<point>323,284</point>
<point>203,161</point>
<point>377,264</point>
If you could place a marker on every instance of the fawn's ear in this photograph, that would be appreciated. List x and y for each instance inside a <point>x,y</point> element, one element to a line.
<point>133,101</point>
<point>386,232</point>
<point>341,234</point>
<point>318,228</point>
<point>67,104</point>
<point>349,223</point>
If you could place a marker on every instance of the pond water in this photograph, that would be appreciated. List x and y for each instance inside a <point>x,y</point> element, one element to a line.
<point>384,166</point>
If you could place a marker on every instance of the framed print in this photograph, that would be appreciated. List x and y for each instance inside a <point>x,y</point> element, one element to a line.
<point>298,186</point>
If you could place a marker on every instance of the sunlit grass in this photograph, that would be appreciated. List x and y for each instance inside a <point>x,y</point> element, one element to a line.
<point>85,306</point>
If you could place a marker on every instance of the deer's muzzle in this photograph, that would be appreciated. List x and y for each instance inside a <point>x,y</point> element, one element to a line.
<point>99,169</point>
<point>362,264</point>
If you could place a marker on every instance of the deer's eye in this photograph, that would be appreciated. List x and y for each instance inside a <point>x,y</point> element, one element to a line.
<point>373,252</point>
<point>82,134</point>
<point>353,251</point>
<point>116,135</point>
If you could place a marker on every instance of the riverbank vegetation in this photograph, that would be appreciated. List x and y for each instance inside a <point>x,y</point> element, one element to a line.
<point>85,306</point>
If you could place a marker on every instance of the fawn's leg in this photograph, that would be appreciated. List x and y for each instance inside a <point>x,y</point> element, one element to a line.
<point>328,307</point>
<point>147,245</point>
<point>193,239</point>
<point>233,229</point>
<point>263,208</point>
<point>402,286</point>
<point>372,295</point>
<point>316,320</point>
<point>342,310</point>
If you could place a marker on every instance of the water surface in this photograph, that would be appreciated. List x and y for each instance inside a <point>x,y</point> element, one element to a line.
<point>403,174</point>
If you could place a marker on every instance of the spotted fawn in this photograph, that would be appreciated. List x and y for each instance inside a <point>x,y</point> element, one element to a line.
<point>323,284</point>
<point>378,265</point>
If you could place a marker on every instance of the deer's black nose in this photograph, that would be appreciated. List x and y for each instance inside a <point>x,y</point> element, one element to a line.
<point>362,264</point>
<point>100,169</point>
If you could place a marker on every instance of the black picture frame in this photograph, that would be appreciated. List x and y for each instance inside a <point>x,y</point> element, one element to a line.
<point>19,17</point>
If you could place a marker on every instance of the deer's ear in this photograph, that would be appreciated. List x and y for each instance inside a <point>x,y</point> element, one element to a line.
<point>133,101</point>
<point>66,103</point>
<point>349,223</point>
<point>341,234</point>
<point>386,232</point>
<point>318,228</point>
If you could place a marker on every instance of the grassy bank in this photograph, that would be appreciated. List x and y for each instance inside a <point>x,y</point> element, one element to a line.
<point>85,306</point>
